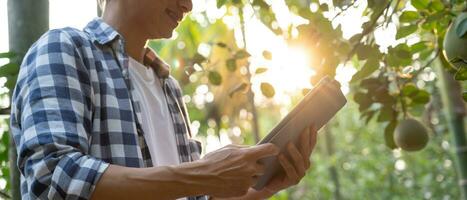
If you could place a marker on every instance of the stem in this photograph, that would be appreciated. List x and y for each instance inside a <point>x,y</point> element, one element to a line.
<point>250,94</point>
<point>401,97</point>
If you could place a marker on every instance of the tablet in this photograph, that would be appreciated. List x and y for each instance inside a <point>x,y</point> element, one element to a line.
<point>316,108</point>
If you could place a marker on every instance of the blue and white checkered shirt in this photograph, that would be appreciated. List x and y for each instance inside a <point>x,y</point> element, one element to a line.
<point>72,114</point>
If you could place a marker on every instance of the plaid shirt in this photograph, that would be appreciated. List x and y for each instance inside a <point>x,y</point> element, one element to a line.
<point>73,114</point>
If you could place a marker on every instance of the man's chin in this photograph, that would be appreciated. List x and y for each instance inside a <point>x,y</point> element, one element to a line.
<point>164,35</point>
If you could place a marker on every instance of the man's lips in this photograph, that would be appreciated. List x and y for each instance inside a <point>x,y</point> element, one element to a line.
<point>174,16</point>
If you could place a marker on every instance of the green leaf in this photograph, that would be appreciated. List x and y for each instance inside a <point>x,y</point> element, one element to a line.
<point>198,58</point>
<point>220,3</point>
<point>231,64</point>
<point>406,30</point>
<point>4,146</point>
<point>371,83</point>
<point>261,70</point>
<point>324,7</point>
<point>242,54</point>
<point>420,4</point>
<point>389,134</point>
<point>363,101</point>
<point>436,5</point>
<point>239,88</point>
<point>404,54</point>
<point>409,16</point>
<point>370,66</point>
<point>409,89</point>
<point>236,2</point>
<point>7,55</point>
<point>267,55</point>
<point>266,15</point>
<point>381,95</point>
<point>464,96</point>
<point>461,74</point>
<point>221,45</point>
<point>9,69</point>
<point>11,82</point>
<point>461,25</point>
<point>215,78</point>
<point>267,90</point>
<point>386,114</point>
<point>399,56</point>
<point>365,52</point>
<point>262,4</point>
<point>416,109</point>
<point>421,97</point>
<point>417,47</point>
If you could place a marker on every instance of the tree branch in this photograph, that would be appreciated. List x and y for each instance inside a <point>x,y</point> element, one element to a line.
<point>387,20</point>
<point>343,10</point>
<point>367,31</point>
<point>4,195</point>
<point>416,73</point>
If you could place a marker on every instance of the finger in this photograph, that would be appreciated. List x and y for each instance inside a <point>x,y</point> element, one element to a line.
<point>314,135</point>
<point>260,151</point>
<point>288,168</point>
<point>297,158</point>
<point>305,147</point>
<point>305,142</point>
<point>236,146</point>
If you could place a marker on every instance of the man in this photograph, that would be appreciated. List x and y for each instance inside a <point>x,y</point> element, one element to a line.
<point>95,115</point>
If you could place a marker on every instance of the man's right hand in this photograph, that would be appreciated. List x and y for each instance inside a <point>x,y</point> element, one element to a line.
<point>227,172</point>
<point>232,170</point>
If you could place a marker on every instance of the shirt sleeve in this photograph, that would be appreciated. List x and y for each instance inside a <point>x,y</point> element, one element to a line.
<point>51,121</point>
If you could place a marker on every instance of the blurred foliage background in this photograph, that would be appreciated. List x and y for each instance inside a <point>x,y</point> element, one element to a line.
<point>243,64</point>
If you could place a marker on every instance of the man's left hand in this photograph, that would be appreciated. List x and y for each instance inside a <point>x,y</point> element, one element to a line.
<point>295,165</point>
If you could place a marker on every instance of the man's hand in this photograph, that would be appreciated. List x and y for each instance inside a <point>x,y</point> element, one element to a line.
<point>232,170</point>
<point>295,165</point>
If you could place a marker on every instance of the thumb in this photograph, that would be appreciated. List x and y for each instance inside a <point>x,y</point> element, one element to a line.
<point>263,150</point>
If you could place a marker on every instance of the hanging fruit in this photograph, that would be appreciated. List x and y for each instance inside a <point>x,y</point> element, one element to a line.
<point>411,135</point>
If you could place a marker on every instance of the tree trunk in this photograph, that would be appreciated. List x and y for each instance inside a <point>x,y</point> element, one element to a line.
<point>27,21</point>
<point>329,141</point>
<point>99,11</point>
<point>454,107</point>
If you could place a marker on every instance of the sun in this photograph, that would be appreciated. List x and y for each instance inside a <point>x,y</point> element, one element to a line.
<point>293,68</point>
<point>289,71</point>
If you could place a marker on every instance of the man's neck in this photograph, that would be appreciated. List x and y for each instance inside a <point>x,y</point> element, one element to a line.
<point>134,40</point>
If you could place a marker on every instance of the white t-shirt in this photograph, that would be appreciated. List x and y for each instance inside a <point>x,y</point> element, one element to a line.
<point>156,120</point>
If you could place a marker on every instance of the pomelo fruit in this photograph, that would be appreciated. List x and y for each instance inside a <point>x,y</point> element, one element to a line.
<point>411,135</point>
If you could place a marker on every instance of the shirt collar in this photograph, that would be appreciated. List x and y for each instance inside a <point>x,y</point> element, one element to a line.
<point>153,60</point>
<point>101,32</point>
